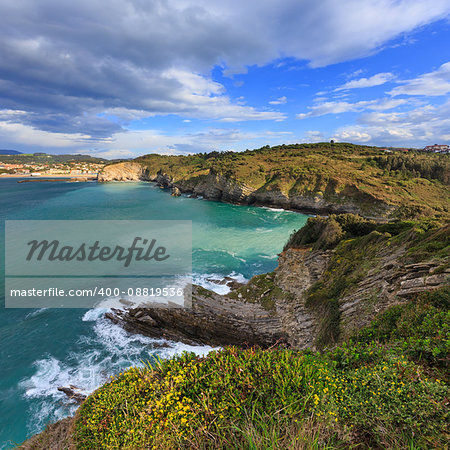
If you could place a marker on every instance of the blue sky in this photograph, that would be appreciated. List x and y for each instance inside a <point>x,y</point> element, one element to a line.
<point>185,76</point>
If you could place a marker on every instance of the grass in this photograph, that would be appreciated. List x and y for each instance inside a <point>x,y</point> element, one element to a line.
<point>415,184</point>
<point>384,388</point>
<point>358,245</point>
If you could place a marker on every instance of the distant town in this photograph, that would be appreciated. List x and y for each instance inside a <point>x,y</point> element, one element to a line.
<point>436,148</point>
<point>41,164</point>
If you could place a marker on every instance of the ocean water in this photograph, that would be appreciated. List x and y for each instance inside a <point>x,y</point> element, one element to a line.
<point>41,349</point>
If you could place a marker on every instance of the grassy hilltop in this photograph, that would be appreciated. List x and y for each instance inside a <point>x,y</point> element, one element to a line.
<point>413,183</point>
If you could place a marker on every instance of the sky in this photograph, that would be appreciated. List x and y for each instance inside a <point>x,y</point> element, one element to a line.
<point>128,77</point>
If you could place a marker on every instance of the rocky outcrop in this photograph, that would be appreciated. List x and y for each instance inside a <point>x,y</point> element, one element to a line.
<point>73,393</point>
<point>386,284</point>
<point>219,187</point>
<point>175,192</point>
<point>297,271</point>
<point>278,307</point>
<point>216,186</point>
<point>56,436</point>
<point>126,171</point>
<point>212,319</point>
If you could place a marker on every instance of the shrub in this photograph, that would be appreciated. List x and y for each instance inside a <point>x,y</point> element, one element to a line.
<point>265,399</point>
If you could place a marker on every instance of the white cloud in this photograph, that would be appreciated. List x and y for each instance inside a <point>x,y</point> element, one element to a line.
<point>136,142</point>
<point>195,96</point>
<point>430,84</point>
<point>424,125</point>
<point>375,80</point>
<point>324,32</point>
<point>23,134</point>
<point>156,141</point>
<point>355,73</point>
<point>314,136</point>
<point>279,101</point>
<point>68,65</point>
<point>324,108</point>
<point>155,55</point>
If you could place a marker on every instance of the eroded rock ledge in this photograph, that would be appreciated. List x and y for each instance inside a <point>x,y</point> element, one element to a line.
<point>278,307</point>
<point>213,319</point>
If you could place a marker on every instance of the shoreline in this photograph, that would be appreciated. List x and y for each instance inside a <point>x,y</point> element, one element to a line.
<point>80,175</point>
<point>306,210</point>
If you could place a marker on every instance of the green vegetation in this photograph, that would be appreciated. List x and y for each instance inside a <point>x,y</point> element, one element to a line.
<point>383,388</point>
<point>414,184</point>
<point>358,245</point>
<point>415,165</point>
<point>260,289</point>
<point>349,264</point>
<point>419,329</point>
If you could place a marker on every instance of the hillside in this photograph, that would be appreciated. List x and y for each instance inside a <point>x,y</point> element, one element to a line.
<point>318,178</point>
<point>9,152</point>
<point>333,277</point>
<point>356,325</point>
<point>44,158</point>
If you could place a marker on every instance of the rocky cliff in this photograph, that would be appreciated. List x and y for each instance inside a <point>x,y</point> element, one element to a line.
<point>220,187</point>
<point>315,297</point>
<point>125,171</point>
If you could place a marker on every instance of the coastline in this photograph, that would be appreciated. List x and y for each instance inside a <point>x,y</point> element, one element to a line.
<point>275,310</point>
<point>80,175</point>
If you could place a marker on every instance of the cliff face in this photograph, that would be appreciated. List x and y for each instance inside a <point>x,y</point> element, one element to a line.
<point>312,299</point>
<point>213,319</point>
<point>219,187</point>
<point>125,171</point>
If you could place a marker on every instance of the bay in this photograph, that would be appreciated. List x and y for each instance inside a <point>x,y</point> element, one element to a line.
<point>42,349</point>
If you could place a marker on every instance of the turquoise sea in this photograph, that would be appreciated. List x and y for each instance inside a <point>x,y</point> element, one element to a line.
<point>42,349</point>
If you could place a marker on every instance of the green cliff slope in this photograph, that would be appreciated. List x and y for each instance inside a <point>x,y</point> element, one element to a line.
<point>320,177</point>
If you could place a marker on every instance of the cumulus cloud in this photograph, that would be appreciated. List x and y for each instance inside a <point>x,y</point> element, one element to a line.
<point>418,127</point>
<point>84,68</point>
<point>314,136</point>
<point>132,143</point>
<point>375,80</point>
<point>324,108</point>
<point>18,133</point>
<point>430,84</point>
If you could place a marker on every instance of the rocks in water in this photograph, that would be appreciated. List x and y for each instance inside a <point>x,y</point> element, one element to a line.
<point>226,281</point>
<point>175,192</point>
<point>72,393</point>
<point>126,302</point>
